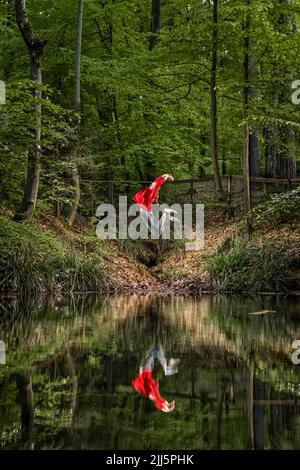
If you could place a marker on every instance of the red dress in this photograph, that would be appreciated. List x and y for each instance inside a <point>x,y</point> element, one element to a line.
<point>146,196</point>
<point>145,384</point>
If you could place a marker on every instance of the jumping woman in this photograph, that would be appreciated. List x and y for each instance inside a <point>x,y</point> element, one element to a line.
<point>147,386</point>
<point>145,198</point>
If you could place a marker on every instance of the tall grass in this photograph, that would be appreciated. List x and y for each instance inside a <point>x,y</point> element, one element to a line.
<point>24,270</point>
<point>34,261</point>
<point>249,268</point>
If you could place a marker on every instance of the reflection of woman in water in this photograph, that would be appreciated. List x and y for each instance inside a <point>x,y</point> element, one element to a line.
<point>147,386</point>
<point>145,198</point>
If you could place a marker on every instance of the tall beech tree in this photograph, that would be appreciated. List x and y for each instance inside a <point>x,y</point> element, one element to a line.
<point>77,147</point>
<point>36,48</point>
<point>214,98</point>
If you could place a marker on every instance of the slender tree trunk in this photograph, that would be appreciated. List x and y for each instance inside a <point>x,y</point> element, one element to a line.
<point>254,154</point>
<point>24,384</point>
<point>250,404</point>
<point>218,422</point>
<point>36,49</point>
<point>149,169</point>
<point>213,100</point>
<point>254,158</point>
<point>254,150</point>
<point>77,150</point>
<point>78,55</point>
<point>155,23</point>
<point>259,415</point>
<point>247,189</point>
<point>74,381</point>
<point>270,153</point>
<point>8,54</point>
<point>77,191</point>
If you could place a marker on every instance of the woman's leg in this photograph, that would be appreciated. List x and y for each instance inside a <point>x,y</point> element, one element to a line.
<point>170,366</point>
<point>148,361</point>
<point>156,228</point>
<point>157,352</point>
<point>161,356</point>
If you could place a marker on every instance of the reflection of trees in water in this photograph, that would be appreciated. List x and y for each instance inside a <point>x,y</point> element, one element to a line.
<point>193,323</point>
<point>83,352</point>
<point>24,385</point>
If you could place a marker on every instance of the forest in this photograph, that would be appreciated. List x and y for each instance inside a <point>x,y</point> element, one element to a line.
<point>101,97</point>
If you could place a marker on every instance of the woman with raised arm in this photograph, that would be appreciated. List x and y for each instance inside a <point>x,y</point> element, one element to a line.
<point>146,197</point>
<point>147,386</point>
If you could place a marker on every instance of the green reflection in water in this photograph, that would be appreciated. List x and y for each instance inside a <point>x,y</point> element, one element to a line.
<point>70,362</point>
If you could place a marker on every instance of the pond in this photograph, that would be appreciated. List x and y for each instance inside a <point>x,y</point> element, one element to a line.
<point>67,370</point>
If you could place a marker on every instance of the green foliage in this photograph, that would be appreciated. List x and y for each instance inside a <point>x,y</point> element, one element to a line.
<point>251,268</point>
<point>281,209</point>
<point>33,261</point>
<point>144,112</point>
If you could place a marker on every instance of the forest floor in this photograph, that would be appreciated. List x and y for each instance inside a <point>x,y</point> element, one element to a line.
<point>46,255</point>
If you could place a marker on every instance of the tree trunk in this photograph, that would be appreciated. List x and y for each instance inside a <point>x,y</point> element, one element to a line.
<point>254,151</point>
<point>250,404</point>
<point>149,169</point>
<point>36,49</point>
<point>270,153</point>
<point>218,422</point>
<point>74,382</point>
<point>77,192</point>
<point>247,189</point>
<point>155,23</point>
<point>24,385</point>
<point>78,55</point>
<point>246,137</point>
<point>213,100</point>
<point>77,151</point>
<point>254,158</point>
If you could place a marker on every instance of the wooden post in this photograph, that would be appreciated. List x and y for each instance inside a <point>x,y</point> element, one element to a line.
<point>192,190</point>
<point>229,186</point>
<point>265,189</point>
<point>250,403</point>
<point>111,192</point>
<point>229,181</point>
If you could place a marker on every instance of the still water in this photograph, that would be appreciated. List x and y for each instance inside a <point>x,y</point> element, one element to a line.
<point>70,361</point>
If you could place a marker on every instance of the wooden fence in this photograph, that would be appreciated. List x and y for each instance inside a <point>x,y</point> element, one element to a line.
<point>233,186</point>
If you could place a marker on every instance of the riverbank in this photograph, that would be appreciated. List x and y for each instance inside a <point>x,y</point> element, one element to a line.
<point>260,253</point>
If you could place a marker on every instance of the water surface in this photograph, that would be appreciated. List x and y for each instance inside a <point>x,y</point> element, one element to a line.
<point>70,361</point>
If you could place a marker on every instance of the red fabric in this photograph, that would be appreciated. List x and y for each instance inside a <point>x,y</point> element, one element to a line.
<point>145,384</point>
<point>146,196</point>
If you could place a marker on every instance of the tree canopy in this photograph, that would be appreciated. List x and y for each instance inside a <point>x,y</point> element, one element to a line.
<point>148,73</point>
